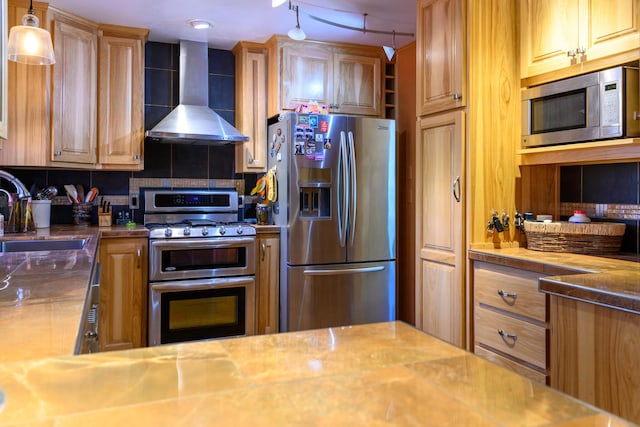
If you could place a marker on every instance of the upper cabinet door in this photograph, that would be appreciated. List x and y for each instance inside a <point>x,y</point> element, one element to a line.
<point>306,76</point>
<point>612,27</point>
<point>74,91</point>
<point>357,84</point>
<point>440,56</point>
<point>556,34</point>
<point>251,107</point>
<point>121,97</point>
<point>549,30</point>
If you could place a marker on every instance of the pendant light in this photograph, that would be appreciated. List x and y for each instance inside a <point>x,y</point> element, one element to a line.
<point>297,33</point>
<point>390,51</point>
<point>30,44</point>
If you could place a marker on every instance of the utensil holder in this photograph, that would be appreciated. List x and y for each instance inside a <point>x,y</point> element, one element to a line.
<point>104,219</point>
<point>81,213</point>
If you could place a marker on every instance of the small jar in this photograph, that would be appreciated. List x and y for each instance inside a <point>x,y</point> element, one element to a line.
<point>579,216</point>
<point>262,214</point>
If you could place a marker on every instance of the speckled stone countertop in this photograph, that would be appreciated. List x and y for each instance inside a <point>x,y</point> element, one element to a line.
<point>604,281</point>
<point>42,293</point>
<point>367,375</point>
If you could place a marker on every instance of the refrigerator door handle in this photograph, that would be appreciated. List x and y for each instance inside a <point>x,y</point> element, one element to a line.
<point>352,181</point>
<point>343,189</point>
<point>333,272</point>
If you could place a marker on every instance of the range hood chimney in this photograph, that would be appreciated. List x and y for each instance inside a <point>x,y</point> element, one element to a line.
<point>192,121</point>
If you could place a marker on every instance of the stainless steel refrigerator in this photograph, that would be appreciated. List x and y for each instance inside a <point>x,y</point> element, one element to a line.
<point>335,201</point>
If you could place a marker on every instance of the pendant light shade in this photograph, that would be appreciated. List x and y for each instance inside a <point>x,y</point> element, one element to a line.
<point>30,44</point>
<point>297,33</point>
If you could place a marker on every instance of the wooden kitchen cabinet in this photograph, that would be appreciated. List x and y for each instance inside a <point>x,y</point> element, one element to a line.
<point>75,91</point>
<point>440,56</point>
<point>28,102</point>
<point>510,319</point>
<point>123,293</point>
<point>440,251</point>
<point>268,283</point>
<point>594,355</point>
<point>557,34</point>
<point>251,106</point>
<point>346,77</point>
<point>121,97</point>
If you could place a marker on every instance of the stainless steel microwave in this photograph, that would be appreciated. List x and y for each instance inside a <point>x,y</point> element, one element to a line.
<point>590,107</point>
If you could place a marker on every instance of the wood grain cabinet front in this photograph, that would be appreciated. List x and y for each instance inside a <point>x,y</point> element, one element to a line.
<point>87,110</point>
<point>268,283</point>
<point>440,56</point>
<point>346,77</point>
<point>251,106</point>
<point>559,34</point>
<point>511,319</point>
<point>123,293</point>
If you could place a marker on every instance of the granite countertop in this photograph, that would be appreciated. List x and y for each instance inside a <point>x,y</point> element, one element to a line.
<point>366,375</point>
<point>42,293</point>
<point>599,280</point>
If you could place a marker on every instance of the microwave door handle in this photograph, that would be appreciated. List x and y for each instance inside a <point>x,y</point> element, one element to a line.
<point>343,188</point>
<point>352,180</point>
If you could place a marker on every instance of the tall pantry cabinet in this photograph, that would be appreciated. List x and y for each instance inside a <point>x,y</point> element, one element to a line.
<point>467,101</point>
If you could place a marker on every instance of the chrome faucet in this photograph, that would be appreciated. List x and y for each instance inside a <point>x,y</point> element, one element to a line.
<point>20,220</point>
<point>21,189</point>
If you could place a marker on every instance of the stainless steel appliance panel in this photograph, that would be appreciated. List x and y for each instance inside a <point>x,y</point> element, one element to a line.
<point>315,237</point>
<point>372,225</point>
<point>339,295</point>
<point>200,258</point>
<point>201,294</point>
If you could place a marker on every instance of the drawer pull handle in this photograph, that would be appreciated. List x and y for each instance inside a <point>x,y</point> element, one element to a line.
<point>504,294</point>
<point>506,336</point>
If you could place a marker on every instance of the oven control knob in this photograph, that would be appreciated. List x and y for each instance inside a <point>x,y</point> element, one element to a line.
<point>187,231</point>
<point>222,230</point>
<point>240,230</point>
<point>168,232</point>
<point>204,230</point>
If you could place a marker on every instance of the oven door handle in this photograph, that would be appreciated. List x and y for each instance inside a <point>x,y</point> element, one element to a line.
<point>206,243</point>
<point>196,285</point>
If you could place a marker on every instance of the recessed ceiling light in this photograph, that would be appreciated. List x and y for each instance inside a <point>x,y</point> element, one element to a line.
<point>200,24</point>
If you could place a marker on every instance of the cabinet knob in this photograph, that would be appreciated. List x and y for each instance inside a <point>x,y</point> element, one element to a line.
<point>136,157</point>
<point>457,97</point>
<point>571,53</point>
<point>57,153</point>
<point>581,50</point>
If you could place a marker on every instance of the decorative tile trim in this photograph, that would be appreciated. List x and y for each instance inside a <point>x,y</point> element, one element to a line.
<point>603,210</point>
<point>135,184</point>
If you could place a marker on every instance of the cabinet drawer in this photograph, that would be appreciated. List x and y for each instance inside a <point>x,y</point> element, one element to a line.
<point>530,340</point>
<point>495,286</point>
<point>516,367</point>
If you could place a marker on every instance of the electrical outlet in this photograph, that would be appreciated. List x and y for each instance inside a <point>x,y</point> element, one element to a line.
<point>134,200</point>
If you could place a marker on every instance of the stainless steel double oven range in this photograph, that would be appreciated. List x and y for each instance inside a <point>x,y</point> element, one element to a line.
<point>201,266</point>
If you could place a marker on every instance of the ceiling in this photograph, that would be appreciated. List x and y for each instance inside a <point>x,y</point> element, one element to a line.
<point>253,20</point>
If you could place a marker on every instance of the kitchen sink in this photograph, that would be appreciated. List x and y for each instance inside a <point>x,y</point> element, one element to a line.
<point>41,245</point>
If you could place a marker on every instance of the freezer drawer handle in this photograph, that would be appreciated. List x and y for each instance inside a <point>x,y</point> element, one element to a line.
<point>343,271</point>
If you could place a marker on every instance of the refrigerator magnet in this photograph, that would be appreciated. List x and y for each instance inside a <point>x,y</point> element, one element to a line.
<point>313,122</point>
<point>324,126</point>
<point>298,148</point>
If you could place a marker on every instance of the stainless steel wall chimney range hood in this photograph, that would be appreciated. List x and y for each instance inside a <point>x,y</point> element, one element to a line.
<point>192,121</point>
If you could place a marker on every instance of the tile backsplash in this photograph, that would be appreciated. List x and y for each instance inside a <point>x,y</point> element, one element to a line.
<point>206,166</point>
<point>608,192</point>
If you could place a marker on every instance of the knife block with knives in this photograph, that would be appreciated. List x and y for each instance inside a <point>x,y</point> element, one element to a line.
<point>104,214</point>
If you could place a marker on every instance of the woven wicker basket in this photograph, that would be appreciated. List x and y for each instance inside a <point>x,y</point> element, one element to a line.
<point>599,238</point>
